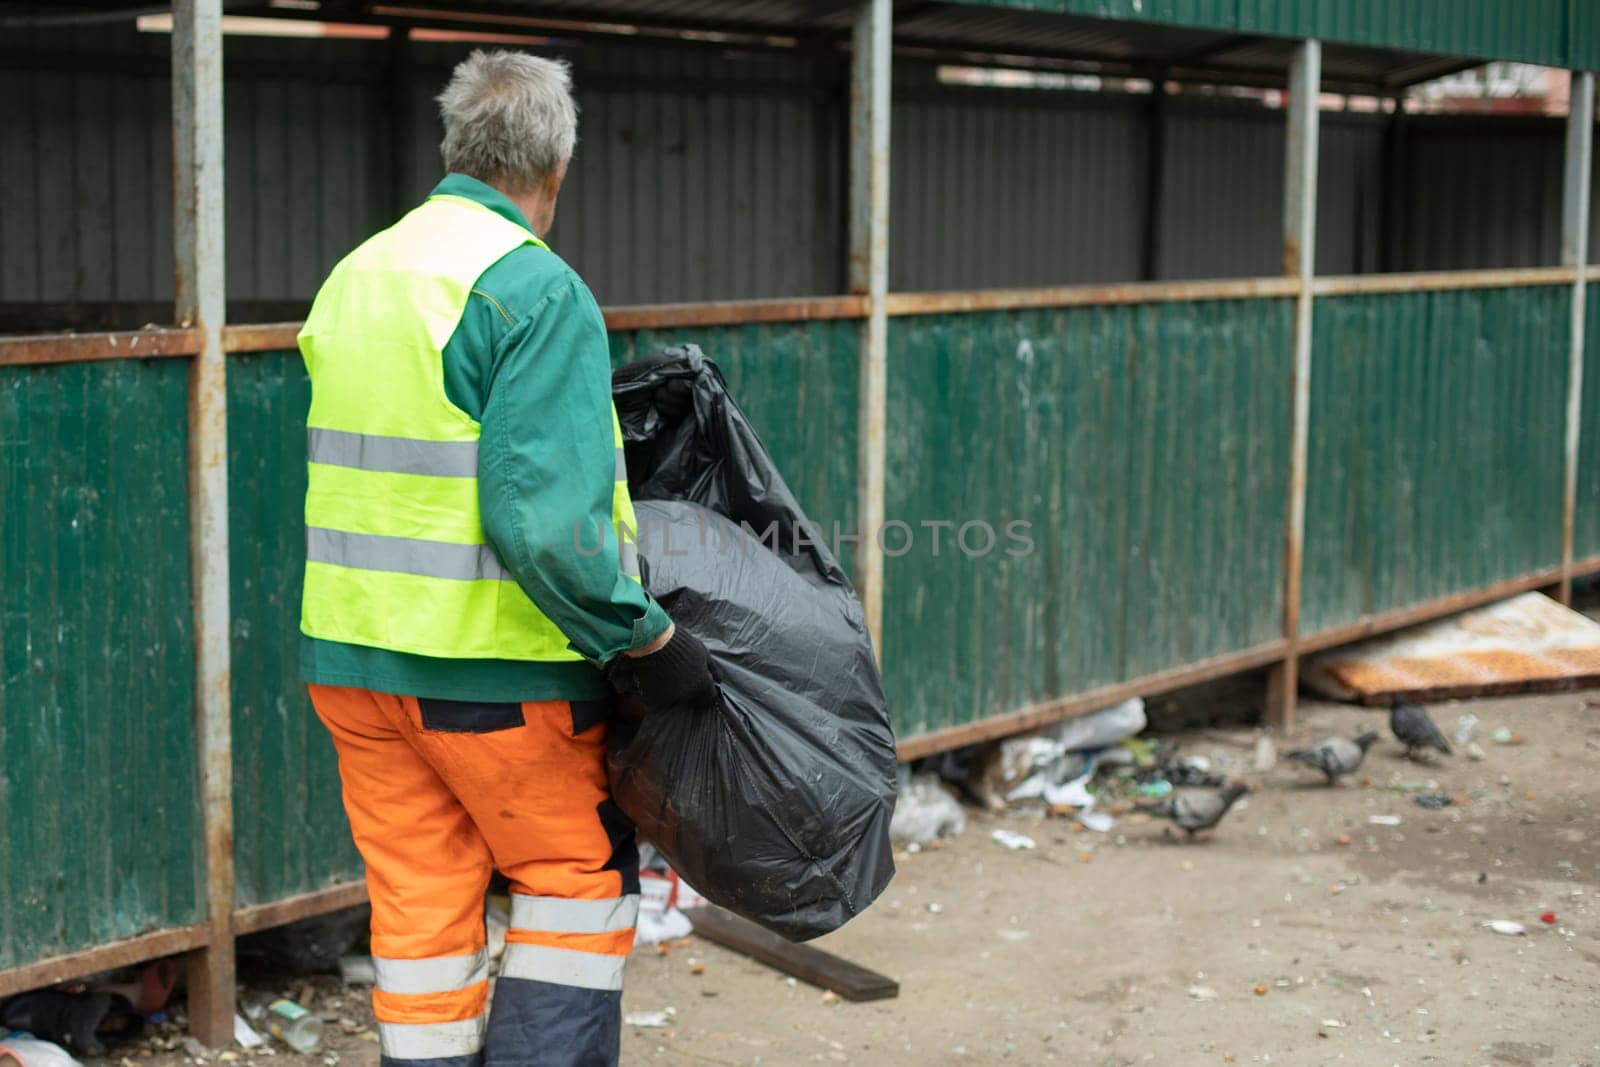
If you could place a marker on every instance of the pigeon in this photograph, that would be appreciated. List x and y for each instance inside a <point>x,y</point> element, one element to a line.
<point>1194,810</point>
<point>1413,728</point>
<point>1335,757</point>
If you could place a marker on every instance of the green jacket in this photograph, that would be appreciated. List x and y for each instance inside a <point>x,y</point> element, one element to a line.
<point>530,361</point>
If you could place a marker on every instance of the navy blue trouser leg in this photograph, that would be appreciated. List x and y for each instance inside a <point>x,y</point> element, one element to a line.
<point>540,1024</point>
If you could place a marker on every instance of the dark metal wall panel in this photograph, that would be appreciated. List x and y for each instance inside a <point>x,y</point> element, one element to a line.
<point>290,833</point>
<point>97,753</point>
<point>1478,193</point>
<point>1146,446</point>
<point>1436,448</point>
<point>1349,194</point>
<point>997,188</point>
<point>699,175</point>
<point>798,383</point>
<point>993,189</point>
<point>85,170</point>
<point>718,174</point>
<point>1222,197</point>
<point>306,180</point>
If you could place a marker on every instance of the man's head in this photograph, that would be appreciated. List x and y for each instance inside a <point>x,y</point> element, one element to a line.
<point>510,121</point>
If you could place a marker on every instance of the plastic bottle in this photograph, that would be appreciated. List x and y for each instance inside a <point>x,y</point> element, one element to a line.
<point>294,1025</point>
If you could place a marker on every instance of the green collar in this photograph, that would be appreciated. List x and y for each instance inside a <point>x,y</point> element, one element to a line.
<point>469,188</point>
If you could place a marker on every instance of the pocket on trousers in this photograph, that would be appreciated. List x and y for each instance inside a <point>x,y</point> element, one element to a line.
<point>469,717</point>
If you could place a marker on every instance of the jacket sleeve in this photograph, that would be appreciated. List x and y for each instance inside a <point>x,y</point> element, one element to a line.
<point>546,463</point>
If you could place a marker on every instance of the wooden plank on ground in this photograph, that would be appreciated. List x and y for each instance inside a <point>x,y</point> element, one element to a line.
<point>849,980</point>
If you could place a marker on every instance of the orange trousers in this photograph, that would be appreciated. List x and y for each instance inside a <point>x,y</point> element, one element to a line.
<point>440,794</point>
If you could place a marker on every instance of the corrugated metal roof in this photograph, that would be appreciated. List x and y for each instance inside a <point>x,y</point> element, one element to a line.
<point>1552,32</point>
<point>1369,43</point>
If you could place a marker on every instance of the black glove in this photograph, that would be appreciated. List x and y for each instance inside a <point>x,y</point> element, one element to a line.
<point>672,398</point>
<point>676,675</point>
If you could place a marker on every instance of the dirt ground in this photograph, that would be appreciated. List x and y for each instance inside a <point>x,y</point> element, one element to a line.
<point>1271,943</point>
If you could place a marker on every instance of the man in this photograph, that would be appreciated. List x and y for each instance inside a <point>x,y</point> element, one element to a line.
<point>465,465</point>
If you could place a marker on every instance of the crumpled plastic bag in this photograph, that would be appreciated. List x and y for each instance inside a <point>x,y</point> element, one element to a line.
<point>927,810</point>
<point>775,802</point>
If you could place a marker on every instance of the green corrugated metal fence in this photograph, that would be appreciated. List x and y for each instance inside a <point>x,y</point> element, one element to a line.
<point>1586,516</point>
<point>1436,449</point>
<point>99,814</point>
<point>1147,447</point>
<point>290,833</point>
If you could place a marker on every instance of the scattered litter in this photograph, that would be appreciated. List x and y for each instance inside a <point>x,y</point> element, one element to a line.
<point>1524,644</point>
<point>1507,927</point>
<point>293,1025</point>
<point>829,997</point>
<point>1072,794</point>
<point>661,926</point>
<point>926,809</point>
<point>245,1034</point>
<point>662,896</point>
<point>1344,839</point>
<point>1265,756</point>
<point>1504,736</point>
<point>1384,820</point>
<point>646,1020</point>
<point>1098,821</point>
<point>1202,992</point>
<point>1101,729</point>
<point>1419,785</point>
<point>1013,934</point>
<point>1158,788</point>
<point>1020,768</point>
<point>1011,839</point>
<point>1434,801</point>
<point>1475,753</point>
<point>1260,990</point>
<point>1466,728</point>
<point>1548,918</point>
<point>358,971</point>
<point>935,908</point>
<point>195,1049</point>
<point>33,1051</point>
<point>1332,1024</point>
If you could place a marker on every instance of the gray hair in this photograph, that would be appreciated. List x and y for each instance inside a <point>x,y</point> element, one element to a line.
<point>509,118</point>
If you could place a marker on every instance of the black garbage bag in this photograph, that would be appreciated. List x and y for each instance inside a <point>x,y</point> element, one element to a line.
<point>775,802</point>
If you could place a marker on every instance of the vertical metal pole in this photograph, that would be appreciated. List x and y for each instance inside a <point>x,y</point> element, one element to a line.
<point>198,231</point>
<point>1575,253</point>
<point>869,275</point>
<point>1299,262</point>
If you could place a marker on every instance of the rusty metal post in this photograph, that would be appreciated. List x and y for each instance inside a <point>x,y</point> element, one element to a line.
<point>869,276</point>
<point>198,232</point>
<point>1299,263</point>
<point>1575,253</point>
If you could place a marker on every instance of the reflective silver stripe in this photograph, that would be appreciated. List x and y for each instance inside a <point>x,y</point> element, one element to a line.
<point>558,915</point>
<point>622,468</point>
<point>393,455</point>
<point>628,558</point>
<point>431,1041</point>
<point>440,974</point>
<point>403,555</point>
<point>561,966</point>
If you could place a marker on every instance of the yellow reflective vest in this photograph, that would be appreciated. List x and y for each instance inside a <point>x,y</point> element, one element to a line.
<point>396,555</point>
